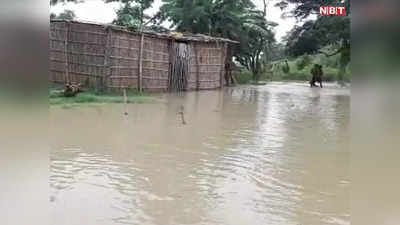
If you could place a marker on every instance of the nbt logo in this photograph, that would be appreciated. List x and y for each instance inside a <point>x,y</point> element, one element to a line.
<point>332,10</point>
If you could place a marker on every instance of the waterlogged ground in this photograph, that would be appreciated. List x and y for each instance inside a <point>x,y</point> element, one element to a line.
<point>274,154</point>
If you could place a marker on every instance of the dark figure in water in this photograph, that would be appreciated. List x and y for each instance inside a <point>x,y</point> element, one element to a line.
<point>317,74</point>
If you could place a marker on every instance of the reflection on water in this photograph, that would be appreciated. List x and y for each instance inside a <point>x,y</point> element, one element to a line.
<point>275,154</point>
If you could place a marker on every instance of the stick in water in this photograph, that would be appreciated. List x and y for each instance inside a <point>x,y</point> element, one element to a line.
<point>182,115</point>
<point>125,102</point>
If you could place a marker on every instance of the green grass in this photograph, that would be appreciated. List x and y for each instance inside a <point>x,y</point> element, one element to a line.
<point>93,97</point>
<point>300,70</point>
<point>243,76</point>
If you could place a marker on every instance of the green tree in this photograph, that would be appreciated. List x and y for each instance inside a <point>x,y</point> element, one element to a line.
<point>54,2</point>
<point>275,51</point>
<point>255,39</point>
<point>234,19</point>
<point>188,15</point>
<point>304,8</point>
<point>129,16</point>
<point>303,61</point>
<point>66,15</point>
<point>132,13</point>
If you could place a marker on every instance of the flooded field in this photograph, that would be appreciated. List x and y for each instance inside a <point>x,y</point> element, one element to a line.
<point>274,154</point>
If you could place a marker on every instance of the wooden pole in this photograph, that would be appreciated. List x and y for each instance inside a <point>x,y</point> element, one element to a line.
<point>140,84</point>
<point>197,67</point>
<point>182,113</point>
<point>125,102</point>
<point>221,74</point>
<point>170,65</point>
<point>107,59</point>
<point>233,78</point>
<point>66,79</point>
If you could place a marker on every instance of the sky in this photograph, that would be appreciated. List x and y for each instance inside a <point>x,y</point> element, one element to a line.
<point>98,11</point>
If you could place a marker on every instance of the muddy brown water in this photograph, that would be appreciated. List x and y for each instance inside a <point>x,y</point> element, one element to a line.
<point>274,154</point>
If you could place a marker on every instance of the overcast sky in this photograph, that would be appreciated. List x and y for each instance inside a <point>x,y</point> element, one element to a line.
<point>98,11</point>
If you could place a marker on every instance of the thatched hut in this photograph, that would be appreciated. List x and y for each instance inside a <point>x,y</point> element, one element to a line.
<point>108,56</point>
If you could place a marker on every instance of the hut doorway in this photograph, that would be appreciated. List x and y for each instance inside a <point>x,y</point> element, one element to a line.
<point>180,58</point>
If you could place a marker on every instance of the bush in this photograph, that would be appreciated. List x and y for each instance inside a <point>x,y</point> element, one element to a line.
<point>303,61</point>
<point>347,76</point>
<point>330,74</point>
<point>300,68</point>
<point>301,75</point>
<point>243,76</point>
<point>286,67</point>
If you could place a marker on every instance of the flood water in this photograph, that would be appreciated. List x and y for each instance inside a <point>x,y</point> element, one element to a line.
<point>248,155</point>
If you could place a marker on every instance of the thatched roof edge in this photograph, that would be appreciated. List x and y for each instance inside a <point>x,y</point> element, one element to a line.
<point>171,35</point>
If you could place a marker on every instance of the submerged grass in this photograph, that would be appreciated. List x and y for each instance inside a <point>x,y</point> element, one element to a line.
<point>91,96</point>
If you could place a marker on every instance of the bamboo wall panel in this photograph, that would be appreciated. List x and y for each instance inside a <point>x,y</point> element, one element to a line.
<point>57,52</point>
<point>193,68</point>
<point>155,63</point>
<point>86,53</point>
<point>124,60</point>
<point>209,58</point>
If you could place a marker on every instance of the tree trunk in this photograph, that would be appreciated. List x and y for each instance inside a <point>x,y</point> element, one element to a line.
<point>265,7</point>
<point>342,71</point>
<point>256,71</point>
<point>344,61</point>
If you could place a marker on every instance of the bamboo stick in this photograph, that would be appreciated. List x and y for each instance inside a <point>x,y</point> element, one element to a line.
<point>223,65</point>
<point>154,78</point>
<point>86,43</point>
<point>125,58</point>
<point>125,102</point>
<point>77,53</point>
<point>128,48</point>
<point>82,64</point>
<point>182,113</point>
<point>107,59</point>
<point>140,85</point>
<point>127,39</point>
<point>80,73</point>
<point>124,77</point>
<point>66,53</point>
<point>76,31</point>
<point>124,67</point>
<point>170,45</point>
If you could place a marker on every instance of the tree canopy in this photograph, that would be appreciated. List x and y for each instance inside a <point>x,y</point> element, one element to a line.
<point>234,19</point>
<point>65,15</point>
<point>315,34</point>
<point>54,2</point>
<point>305,8</point>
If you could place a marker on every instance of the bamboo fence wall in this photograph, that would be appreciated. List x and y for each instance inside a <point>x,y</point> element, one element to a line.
<point>102,56</point>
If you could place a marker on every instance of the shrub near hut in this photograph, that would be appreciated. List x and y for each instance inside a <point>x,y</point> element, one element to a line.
<point>70,90</point>
<point>303,61</point>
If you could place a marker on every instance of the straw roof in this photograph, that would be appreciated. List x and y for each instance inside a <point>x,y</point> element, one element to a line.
<point>167,35</point>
